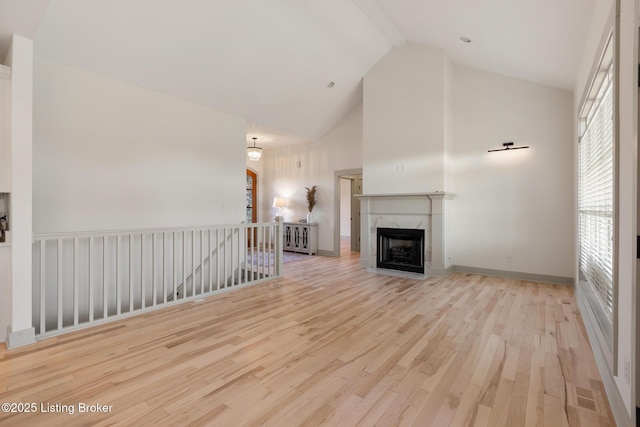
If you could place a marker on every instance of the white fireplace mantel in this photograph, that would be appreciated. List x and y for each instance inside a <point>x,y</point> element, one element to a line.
<point>424,211</point>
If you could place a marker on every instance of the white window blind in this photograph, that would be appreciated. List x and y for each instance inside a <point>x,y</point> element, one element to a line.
<point>596,194</point>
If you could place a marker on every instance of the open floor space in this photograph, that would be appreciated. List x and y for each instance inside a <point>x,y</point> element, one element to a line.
<point>329,344</point>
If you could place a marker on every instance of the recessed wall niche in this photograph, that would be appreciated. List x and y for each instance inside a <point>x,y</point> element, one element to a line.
<point>5,199</point>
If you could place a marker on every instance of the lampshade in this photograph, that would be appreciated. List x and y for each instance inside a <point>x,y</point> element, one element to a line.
<point>254,152</point>
<point>280,202</point>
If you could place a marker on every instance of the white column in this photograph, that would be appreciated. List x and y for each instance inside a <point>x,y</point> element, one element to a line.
<point>365,233</point>
<point>439,261</point>
<point>20,58</point>
<point>278,246</point>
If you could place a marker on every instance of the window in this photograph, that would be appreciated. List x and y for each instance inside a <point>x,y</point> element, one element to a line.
<point>596,202</point>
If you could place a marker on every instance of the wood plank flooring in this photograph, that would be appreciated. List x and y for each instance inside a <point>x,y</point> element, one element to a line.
<point>327,345</point>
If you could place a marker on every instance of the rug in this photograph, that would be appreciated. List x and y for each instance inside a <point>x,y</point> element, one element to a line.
<point>258,257</point>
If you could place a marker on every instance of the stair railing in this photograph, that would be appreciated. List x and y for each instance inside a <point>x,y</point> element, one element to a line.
<point>88,278</point>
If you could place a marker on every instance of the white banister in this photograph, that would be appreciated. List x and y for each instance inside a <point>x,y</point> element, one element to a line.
<point>131,261</point>
<point>105,289</point>
<point>218,261</point>
<point>87,278</point>
<point>164,270</point>
<point>183,266</point>
<point>175,270</point>
<point>141,276</point>
<point>224,258</point>
<point>118,286</point>
<point>42,282</point>
<point>211,263</point>
<point>75,282</point>
<point>279,246</point>
<point>269,254</point>
<point>91,282</point>
<point>201,261</point>
<point>60,282</point>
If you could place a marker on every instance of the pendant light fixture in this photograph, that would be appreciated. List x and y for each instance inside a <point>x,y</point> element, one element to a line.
<point>254,152</point>
<point>508,146</point>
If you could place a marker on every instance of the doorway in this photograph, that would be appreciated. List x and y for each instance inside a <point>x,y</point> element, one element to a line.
<point>252,197</point>
<point>252,205</point>
<point>348,186</point>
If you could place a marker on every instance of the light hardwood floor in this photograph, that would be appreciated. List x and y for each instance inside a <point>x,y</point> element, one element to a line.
<point>327,345</point>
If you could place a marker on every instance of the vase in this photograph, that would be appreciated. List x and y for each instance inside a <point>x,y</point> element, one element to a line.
<point>309,217</point>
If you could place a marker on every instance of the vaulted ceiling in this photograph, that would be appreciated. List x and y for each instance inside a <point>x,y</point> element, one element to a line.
<point>272,61</point>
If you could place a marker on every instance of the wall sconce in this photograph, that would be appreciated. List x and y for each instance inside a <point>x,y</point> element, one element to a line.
<point>280,203</point>
<point>507,146</point>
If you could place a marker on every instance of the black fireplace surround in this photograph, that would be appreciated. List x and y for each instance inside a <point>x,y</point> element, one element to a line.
<point>401,249</point>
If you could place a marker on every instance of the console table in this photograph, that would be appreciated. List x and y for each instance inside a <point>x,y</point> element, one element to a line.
<point>300,237</point>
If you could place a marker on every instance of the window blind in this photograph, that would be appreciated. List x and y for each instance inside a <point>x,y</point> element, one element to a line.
<point>596,195</point>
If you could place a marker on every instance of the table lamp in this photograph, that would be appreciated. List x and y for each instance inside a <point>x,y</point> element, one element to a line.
<point>280,203</point>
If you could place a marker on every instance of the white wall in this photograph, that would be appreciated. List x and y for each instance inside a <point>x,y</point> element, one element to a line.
<point>404,122</point>
<point>5,129</point>
<point>110,155</point>
<point>512,211</point>
<point>515,204</point>
<point>448,122</point>
<point>339,149</point>
<point>447,250</point>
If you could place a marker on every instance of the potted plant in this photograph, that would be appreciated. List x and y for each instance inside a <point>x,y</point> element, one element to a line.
<point>311,202</point>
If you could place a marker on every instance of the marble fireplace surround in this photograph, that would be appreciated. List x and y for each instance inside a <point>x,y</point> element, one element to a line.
<point>410,210</point>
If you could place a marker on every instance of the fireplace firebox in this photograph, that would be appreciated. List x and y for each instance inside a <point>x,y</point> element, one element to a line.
<point>401,249</point>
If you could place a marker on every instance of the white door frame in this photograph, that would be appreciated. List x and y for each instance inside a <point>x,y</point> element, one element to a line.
<point>336,204</point>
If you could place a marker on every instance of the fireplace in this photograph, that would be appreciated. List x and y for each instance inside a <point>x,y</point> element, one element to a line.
<point>409,211</point>
<point>401,249</point>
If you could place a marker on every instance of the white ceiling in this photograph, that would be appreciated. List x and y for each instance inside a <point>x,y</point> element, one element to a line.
<point>21,17</point>
<point>271,61</point>
<point>537,40</point>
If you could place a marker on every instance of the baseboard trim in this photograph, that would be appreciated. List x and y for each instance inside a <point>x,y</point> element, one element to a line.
<point>397,273</point>
<point>440,272</point>
<point>323,252</point>
<point>557,280</point>
<point>443,272</point>
<point>616,402</point>
<point>20,338</point>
